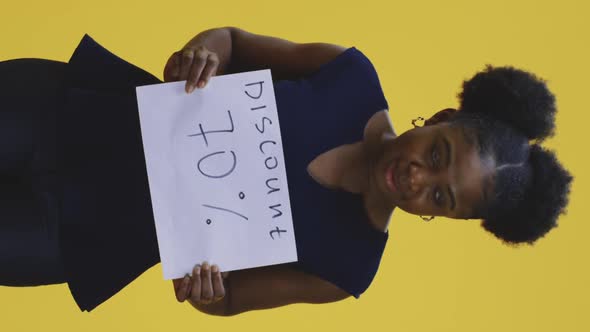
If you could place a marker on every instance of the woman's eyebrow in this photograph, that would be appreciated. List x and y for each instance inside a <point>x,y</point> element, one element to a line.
<point>448,154</point>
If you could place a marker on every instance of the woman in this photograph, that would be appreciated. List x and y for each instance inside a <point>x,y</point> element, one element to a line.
<point>78,164</point>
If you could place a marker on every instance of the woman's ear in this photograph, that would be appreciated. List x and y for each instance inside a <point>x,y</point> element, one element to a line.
<point>440,116</point>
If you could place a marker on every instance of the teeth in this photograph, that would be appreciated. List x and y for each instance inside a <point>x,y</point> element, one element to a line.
<point>390,179</point>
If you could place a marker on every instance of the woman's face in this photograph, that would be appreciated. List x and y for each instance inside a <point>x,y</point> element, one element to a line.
<point>433,170</point>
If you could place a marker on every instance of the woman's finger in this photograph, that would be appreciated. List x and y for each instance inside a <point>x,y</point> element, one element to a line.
<point>176,284</point>
<point>196,284</point>
<point>180,288</point>
<point>209,70</point>
<point>171,68</point>
<point>176,64</point>
<point>199,63</point>
<point>206,285</point>
<point>186,61</point>
<point>218,288</point>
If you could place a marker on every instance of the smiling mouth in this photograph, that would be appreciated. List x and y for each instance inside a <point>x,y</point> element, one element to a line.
<point>390,178</point>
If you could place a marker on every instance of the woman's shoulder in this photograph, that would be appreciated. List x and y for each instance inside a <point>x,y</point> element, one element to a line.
<point>94,67</point>
<point>351,78</point>
<point>351,60</point>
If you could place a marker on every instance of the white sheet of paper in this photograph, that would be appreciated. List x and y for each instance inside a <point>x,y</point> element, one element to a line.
<point>216,173</point>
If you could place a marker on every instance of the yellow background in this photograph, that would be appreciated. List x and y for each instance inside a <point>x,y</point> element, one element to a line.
<point>446,275</point>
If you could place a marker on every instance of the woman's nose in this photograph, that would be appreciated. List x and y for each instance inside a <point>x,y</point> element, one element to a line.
<point>417,177</point>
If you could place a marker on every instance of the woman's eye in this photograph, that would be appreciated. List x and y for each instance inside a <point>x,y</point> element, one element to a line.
<point>438,197</point>
<point>435,157</point>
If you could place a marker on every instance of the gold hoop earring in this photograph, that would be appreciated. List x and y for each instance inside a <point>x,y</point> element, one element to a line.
<point>427,218</point>
<point>416,120</point>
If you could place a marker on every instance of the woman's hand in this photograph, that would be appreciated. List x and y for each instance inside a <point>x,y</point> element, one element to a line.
<point>211,52</point>
<point>204,287</point>
<point>194,63</point>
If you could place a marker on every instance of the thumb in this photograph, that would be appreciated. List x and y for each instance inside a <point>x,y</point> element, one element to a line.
<point>175,70</point>
<point>177,283</point>
<point>172,68</point>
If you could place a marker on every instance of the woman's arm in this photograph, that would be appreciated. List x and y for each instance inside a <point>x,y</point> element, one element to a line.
<point>232,49</point>
<point>270,287</point>
<point>287,59</point>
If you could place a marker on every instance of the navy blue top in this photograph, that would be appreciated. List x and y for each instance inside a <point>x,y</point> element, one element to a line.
<point>107,230</point>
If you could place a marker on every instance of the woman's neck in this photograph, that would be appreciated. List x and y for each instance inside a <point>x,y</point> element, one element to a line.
<point>349,167</point>
<point>354,176</point>
<point>360,157</point>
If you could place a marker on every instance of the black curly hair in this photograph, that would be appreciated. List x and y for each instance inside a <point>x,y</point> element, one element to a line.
<point>507,112</point>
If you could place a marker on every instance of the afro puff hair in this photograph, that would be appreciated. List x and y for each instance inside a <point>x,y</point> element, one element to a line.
<point>506,108</point>
<point>516,97</point>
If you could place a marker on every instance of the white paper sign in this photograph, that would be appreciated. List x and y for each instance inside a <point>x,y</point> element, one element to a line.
<point>216,173</point>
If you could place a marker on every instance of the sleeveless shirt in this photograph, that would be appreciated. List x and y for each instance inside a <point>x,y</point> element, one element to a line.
<point>107,231</point>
